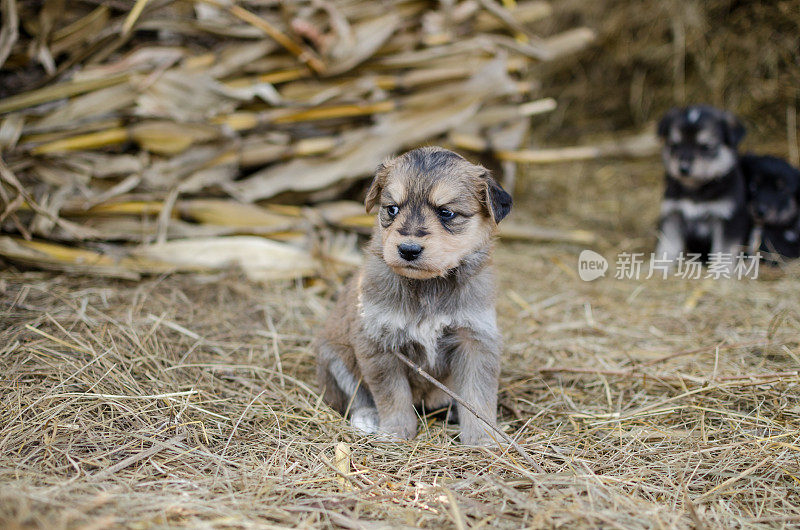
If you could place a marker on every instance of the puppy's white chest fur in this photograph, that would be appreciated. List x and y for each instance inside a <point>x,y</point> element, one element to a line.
<point>426,332</point>
<point>694,210</point>
<point>396,328</point>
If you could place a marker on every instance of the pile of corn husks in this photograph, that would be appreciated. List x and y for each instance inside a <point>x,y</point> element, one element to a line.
<point>150,136</point>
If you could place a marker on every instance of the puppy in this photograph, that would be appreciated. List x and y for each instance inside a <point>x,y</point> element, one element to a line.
<point>704,209</point>
<point>426,290</point>
<point>773,187</point>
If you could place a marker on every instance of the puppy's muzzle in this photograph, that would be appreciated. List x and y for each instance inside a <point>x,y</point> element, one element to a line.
<point>409,251</point>
<point>685,166</point>
<point>762,213</point>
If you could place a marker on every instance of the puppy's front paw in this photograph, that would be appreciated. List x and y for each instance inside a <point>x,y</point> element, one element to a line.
<point>398,430</point>
<point>365,420</point>
<point>481,437</point>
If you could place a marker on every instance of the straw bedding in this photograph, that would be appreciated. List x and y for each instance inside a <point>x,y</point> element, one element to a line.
<point>650,56</point>
<point>189,400</point>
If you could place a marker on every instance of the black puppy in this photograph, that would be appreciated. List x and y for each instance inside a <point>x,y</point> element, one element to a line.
<point>773,187</point>
<point>704,209</point>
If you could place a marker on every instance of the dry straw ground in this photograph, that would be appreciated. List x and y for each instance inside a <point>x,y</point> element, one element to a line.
<point>188,400</point>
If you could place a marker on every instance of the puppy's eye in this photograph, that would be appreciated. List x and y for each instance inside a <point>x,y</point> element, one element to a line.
<point>446,214</point>
<point>392,210</point>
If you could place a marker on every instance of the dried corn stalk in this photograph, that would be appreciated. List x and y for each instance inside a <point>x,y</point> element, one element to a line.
<point>153,129</point>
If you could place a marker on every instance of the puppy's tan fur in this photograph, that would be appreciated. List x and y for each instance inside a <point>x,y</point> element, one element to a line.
<point>437,309</point>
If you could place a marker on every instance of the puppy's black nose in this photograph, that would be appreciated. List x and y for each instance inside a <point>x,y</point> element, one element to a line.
<point>409,251</point>
<point>684,167</point>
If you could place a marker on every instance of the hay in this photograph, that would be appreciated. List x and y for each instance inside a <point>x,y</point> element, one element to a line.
<point>650,56</point>
<point>188,400</point>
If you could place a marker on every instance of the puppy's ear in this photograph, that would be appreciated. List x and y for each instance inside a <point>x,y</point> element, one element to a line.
<point>375,189</point>
<point>732,129</point>
<point>498,201</point>
<point>666,122</point>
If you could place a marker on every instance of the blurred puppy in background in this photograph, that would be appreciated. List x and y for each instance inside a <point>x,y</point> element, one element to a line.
<point>704,209</point>
<point>426,290</point>
<point>773,187</point>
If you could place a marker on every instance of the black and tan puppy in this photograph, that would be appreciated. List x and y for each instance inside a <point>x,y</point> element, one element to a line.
<point>774,203</point>
<point>426,290</point>
<point>704,209</point>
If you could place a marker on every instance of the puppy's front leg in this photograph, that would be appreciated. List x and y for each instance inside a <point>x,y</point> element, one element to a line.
<point>756,235</point>
<point>388,383</point>
<point>671,239</point>
<point>475,368</point>
<point>724,245</point>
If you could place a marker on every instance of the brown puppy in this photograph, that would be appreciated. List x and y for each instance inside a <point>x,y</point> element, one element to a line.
<point>426,290</point>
